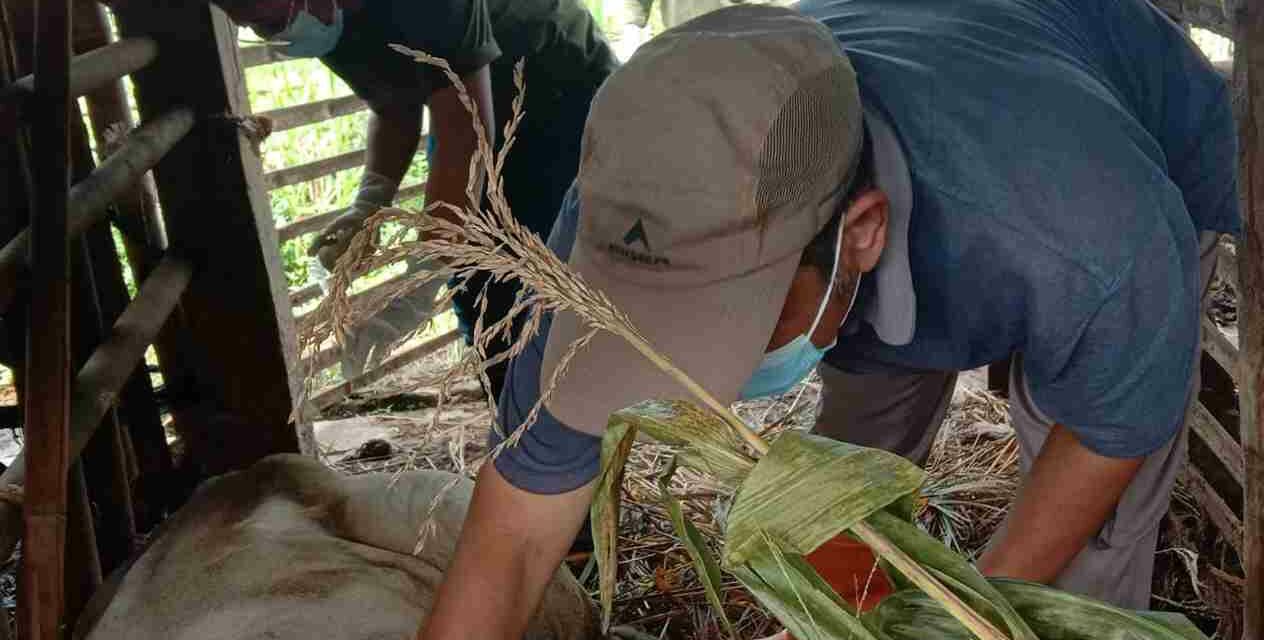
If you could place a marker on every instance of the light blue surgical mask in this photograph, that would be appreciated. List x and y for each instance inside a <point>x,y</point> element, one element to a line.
<point>308,37</point>
<point>785,366</point>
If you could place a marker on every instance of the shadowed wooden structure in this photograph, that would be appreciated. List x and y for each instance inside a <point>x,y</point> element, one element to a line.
<point>187,195</point>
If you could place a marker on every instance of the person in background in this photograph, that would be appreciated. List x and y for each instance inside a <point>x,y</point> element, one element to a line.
<point>566,58</point>
<point>902,189</point>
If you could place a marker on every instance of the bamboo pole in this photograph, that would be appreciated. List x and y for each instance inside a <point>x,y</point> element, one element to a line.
<point>1249,100</point>
<point>48,351</point>
<point>87,201</point>
<point>88,72</point>
<point>99,380</point>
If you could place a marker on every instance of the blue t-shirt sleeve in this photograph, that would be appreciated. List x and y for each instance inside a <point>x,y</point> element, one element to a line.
<point>551,457</point>
<point>1121,385</point>
<point>1184,103</point>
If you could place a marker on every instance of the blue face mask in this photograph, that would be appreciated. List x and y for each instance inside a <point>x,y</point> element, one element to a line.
<point>785,366</point>
<point>308,37</point>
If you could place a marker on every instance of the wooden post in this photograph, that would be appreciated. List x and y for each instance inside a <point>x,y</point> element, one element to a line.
<point>48,352</point>
<point>240,335</point>
<point>1249,103</point>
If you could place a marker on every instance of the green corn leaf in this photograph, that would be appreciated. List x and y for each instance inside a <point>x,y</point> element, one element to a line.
<point>705,443</point>
<point>1052,614</point>
<point>703,562</point>
<point>604,512</point>
<point>809,489</point>
<point>799,598</point>
<point>954,571</point>
<point>1058,615</point>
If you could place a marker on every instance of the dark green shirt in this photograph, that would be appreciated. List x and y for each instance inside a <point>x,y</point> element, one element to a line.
<point>561,43</point>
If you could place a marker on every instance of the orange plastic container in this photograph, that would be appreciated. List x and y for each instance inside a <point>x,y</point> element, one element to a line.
<point>850,567</point>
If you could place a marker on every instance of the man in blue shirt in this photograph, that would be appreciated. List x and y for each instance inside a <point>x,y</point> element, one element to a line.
<point>995,177</point>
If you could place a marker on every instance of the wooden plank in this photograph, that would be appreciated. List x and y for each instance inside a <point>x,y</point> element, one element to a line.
<point>311,112</point>
<point>1213,434</point>
<point>305,293</point>
<point>258,55</point>
<point>311,224</point>
<point>330,395</point>
<point>47,403</point>
<point>312,170</point>
<point>1249,102</point>
<point>1220,348</point>
<point>1219,511</point>
<point>240,342</point>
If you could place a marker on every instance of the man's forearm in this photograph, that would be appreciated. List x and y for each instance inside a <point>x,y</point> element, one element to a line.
<point>392,141</point>
<point>1066,499</point>
<point>455,140</point>
<point>511,545</point>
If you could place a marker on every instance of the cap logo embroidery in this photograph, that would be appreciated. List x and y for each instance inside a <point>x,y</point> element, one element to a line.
<point>634,235</point>
<point>637,232</point>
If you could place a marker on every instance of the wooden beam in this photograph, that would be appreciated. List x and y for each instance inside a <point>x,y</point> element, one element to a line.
<point>307,292</point>
<point>1220,348</point>
<point>312,112</point>
<point>1213,434</point>
<point>240,341</point>
<point>310,224</point>
<point>1249,100</point>
<point>258,55</point>
<point>1219,511</point>
<point>312,170</point>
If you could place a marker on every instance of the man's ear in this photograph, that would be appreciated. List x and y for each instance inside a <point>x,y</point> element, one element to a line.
<point>865,231</point>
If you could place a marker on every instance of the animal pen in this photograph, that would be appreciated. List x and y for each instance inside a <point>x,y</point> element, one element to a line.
<point>211,299</point>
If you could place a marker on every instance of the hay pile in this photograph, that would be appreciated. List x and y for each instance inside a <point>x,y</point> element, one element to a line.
<point>972,476</point>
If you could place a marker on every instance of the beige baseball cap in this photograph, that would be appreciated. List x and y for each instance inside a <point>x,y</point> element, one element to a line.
<point>710,160</point>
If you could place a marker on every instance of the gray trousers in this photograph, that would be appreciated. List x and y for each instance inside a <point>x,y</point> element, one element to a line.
<point>903,412</point>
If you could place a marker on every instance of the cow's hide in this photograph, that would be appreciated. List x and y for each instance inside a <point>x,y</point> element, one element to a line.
<point>289,549</point>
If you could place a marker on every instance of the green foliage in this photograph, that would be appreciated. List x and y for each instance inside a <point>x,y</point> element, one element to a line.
<point>804,491</point>
<point>288,84</point>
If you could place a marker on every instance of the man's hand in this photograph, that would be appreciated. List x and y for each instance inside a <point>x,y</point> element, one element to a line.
<point>511,545</point>
<point>1066,499</point>
<point>334,239</point>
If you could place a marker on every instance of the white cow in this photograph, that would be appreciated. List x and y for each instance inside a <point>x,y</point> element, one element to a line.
<point>290,549</point>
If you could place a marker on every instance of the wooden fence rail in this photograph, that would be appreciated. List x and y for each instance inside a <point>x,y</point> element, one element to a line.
<point>312,112</point>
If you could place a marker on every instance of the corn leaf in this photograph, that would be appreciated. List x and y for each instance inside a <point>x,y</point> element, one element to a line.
<point>809,489</point>
<point>1058,615</point>
<point>703,562</point>
<point>793,592</point>
<point>604,512</point>
<point>705,443</point>
<point>954,571</point>
<point>1052,614</point>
